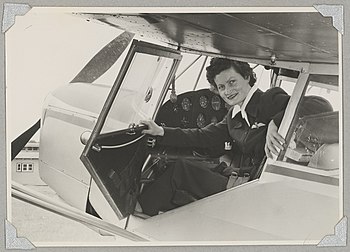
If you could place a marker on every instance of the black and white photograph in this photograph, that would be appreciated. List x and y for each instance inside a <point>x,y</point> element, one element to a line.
<point>178,126</point>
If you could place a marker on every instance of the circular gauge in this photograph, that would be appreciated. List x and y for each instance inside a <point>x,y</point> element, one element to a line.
<point>216,103</point>
<point>186,104</point>
<point>214,120</point>
<point>203,101</point>
<point>201,120</point>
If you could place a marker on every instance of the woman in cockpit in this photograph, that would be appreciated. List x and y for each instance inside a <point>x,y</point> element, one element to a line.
<point>243,130</point>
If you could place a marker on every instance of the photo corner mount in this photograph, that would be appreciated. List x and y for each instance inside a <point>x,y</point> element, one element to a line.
<point>14,242</point>
<point>11,10</point>
<point>338,239</point>
<point>336,12</point>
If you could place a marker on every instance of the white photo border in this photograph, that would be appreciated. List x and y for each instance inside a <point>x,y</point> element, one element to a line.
<point>4,187</point>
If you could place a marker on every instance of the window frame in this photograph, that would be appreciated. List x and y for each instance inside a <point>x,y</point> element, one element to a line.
<point>286,129</point>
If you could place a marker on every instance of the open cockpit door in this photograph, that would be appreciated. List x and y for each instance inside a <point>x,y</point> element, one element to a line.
<point>116,149</point>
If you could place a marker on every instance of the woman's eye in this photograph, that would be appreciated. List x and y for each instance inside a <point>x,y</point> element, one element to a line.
<point>232,82</point>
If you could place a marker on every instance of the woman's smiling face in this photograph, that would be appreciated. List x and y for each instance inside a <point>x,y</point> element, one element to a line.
<point>232,86</point>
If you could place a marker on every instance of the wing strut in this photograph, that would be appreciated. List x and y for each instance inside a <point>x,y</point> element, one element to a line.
<point>38,199</point>
<point>18,144</point>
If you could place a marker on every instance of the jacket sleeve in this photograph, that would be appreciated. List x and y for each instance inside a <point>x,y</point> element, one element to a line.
<point>209,136</point>
<point>274,103</point>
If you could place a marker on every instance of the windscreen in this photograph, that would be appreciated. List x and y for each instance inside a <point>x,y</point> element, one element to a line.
<point>139,92</point>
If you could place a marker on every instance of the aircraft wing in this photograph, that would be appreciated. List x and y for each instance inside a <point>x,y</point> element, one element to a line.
<point>266,210</point>
<point>297,37</point>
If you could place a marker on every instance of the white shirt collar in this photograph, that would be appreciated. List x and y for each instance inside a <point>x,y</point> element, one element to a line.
<point>238,108</point>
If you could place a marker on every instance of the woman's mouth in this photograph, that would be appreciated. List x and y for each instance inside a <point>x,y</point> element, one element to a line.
<point>230,97</point>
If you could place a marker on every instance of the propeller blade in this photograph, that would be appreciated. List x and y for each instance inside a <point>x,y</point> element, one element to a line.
<point>18,144</point>
<point>104,59</point>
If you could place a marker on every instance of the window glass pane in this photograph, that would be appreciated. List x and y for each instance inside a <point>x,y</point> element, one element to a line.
<point>139,92</point>
<point>288,86</point>
<point>186,82</point>
<point>330,94</point>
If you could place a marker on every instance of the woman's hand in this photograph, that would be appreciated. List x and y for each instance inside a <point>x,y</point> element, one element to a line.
<point>273,140</point>
<point>153,128</point>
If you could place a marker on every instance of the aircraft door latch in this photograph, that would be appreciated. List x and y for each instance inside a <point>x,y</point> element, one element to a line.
<point>96,148</point>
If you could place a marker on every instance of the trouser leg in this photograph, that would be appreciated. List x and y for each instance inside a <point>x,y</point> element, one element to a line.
<point>157,196</point>
<point>180,183</point>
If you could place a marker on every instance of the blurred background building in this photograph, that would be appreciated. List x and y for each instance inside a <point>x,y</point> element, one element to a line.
<point>25,167</point>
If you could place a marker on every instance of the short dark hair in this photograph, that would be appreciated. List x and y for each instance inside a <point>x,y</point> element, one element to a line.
<point>217,65</point>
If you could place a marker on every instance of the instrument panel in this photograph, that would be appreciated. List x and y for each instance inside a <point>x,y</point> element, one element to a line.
<point>194,109</point>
